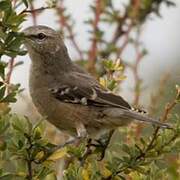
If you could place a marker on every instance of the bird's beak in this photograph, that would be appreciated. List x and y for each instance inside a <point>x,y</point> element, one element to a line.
<point>26,38</point>
<point>25,33</point>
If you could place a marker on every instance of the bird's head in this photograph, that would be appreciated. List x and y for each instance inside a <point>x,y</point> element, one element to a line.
<point>42,40</point>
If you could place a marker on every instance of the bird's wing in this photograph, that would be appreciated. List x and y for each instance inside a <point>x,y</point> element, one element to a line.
<point>85,90</point>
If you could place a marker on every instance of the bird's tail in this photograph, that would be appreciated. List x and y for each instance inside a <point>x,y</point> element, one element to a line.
<point>140,117</point>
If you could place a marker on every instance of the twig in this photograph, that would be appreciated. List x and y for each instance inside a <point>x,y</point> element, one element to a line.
<point>9,74</point>
<point>38,10</point>
<point>64,23</point>
<point>126,41</point>
<point>119,32</point>
<point>142,154</point>
<point>156,97</point>
<point>14,3</point>
<point>164,117</point>
<point>49,152</point>
<point>93,50</point>
<point>137,79</point>
<point>34,17</point>
<point>29,164</point>
<point>29,159</point>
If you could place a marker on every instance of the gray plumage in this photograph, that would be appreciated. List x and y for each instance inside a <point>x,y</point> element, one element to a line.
<point>68,96</point>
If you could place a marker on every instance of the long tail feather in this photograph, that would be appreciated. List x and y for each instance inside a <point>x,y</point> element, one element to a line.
<point>141,117</point>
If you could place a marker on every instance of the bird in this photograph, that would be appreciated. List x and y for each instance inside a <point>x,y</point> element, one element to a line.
<point>67,95</point>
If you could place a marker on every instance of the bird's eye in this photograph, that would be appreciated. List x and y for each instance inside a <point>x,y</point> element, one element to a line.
<point>41,36</point>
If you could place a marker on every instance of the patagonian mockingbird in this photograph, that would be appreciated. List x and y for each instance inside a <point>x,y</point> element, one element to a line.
<point>66,94</point>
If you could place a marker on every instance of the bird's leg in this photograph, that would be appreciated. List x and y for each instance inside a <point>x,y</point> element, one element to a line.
<point>81,130</point>
<point>82,134</point>
<point>102,143</point>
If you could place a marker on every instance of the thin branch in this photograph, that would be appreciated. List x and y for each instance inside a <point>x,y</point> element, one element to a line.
<point>93,50</point>
<point>14,3</point>
<point>29,165</point>
<point>137,79</point>
<point>29,159</point>
<point>64,23</point>
<point>155,98</point>
<point>49,152</point>
<point>9,73</point>
<point>119,32</point>
<point>142,155</point>
<point>164,117</point>
<point>38,10</point>
<point>10,67</point>
<point>33,13</point>
<point>126,41</point>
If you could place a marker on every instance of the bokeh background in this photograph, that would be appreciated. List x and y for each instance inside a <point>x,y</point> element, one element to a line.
<point>146,80</point>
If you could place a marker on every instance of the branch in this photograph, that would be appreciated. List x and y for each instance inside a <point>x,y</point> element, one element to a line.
<point>33,12</point>
<point>139,56</point>
<point>9,74</point>
<point>63,21</point>
<point>126,41</point>
<point>120,33</point>
<point>38,10</point>
<point>155,98</point>
<point>93,50</point>
<point>142,156</point>
<point>168,109</point>
<point>29,160</point>
<point>119,30</point>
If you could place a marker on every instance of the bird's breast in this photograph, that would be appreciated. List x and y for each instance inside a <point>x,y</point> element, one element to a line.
<point>62,115</point>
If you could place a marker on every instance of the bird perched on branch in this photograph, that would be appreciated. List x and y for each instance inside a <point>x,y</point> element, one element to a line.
<point>67,95</point>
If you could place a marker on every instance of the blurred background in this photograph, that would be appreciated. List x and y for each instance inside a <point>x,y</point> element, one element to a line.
<point>130,46</point>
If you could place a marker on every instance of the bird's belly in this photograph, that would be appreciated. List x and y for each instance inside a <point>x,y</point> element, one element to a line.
<point>65,115</point>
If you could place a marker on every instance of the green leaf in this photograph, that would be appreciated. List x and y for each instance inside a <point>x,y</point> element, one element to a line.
<point>10,98</point>
<point>19,124</point>
<point>3,125</point>
<point>58,154</point>
<point>5,5</point>
<point>7,176</point>
<point>37,133</point>
<point>20,144</point>
<point>2,92</point>
<point>161,164</point>
<point>15,44</point>
<point>43,172</point>
<point>9,38</point>
<point>18,63</point>
<point>11,53</point>
<point>126,149</point>
<point>22,52</point>
<point>2,69</point>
